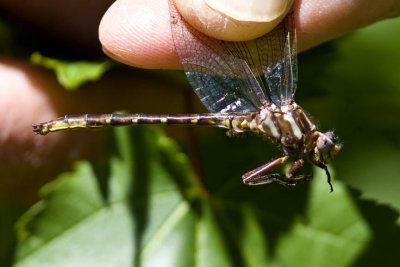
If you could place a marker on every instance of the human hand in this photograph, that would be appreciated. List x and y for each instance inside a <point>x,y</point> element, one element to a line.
<point>138,32</point>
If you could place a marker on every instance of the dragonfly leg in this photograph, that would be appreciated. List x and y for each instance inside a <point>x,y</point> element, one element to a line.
<point>292,181</point>
<point>328,175</point>
<point>257,177</point>
<point>280,179</point>
<point>295,167</point>
<point>265,179</point>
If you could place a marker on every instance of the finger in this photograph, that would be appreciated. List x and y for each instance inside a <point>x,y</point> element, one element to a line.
<point>233,20</point>
<point>138,32</point>
<point>29,94</point>
<point>318,21</point>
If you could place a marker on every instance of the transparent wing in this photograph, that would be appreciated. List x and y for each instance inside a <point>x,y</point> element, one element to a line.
<point>224,75</point>
<point>238,76</point>
<point>278,54</point>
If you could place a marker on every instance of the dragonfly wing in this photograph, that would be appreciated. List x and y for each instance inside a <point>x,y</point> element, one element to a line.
<point>278,53</point>
<point>221,73</point>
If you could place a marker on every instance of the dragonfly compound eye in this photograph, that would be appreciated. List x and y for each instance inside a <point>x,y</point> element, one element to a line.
<point>325,143</point>
<point>328,146</point>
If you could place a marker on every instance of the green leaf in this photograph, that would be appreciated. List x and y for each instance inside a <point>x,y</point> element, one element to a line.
<point>144,206</point>
<point>72,74</point>
<point>332,232</point>
<point>253,243</point>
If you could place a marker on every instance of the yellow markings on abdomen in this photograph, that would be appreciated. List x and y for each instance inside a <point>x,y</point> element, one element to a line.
<point>244,124</point>
<point>226,123</point>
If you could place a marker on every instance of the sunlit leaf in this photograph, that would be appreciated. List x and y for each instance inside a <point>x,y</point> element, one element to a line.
<point>331,233</point>
<point>72,74</point>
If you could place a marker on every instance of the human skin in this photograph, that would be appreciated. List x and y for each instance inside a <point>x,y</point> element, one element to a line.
<point>317,21</point>
<point>135,32</point>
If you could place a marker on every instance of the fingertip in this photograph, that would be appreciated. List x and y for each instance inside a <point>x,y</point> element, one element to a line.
<point>234,20</point>
<point>138,33</point>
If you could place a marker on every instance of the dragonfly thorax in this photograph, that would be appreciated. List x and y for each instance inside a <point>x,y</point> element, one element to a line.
<point>287,124</point>
<point>290,126</point>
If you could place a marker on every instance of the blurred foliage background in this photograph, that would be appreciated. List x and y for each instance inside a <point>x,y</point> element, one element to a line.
<point>146,203</point>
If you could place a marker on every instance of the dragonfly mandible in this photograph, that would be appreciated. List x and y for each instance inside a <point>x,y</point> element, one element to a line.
<point>247,87</point>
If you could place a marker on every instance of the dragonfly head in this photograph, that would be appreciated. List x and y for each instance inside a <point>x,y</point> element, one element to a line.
<point>326,147</point>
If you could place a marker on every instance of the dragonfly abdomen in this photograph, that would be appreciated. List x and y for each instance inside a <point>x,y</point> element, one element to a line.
<point>100,120</point>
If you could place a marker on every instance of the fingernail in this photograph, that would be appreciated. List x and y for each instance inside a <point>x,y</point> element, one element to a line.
<point>234,20</point>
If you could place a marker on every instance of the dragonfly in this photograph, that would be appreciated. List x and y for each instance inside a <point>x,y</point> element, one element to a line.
<point>247,87</point>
